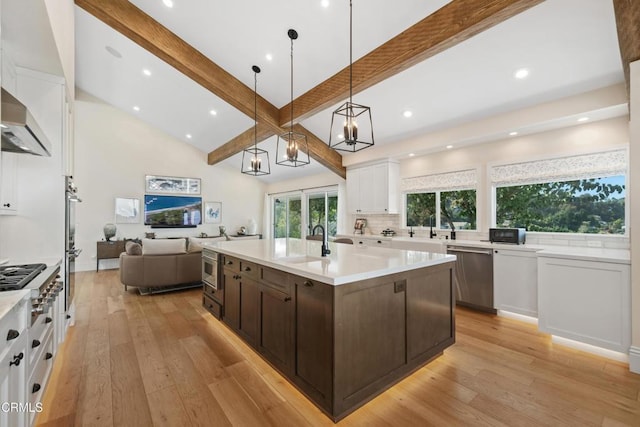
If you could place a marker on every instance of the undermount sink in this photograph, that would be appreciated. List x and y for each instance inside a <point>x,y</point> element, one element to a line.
<point>301,259</point>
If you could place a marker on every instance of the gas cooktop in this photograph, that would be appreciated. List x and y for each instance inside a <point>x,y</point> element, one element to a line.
<point>14,277</point>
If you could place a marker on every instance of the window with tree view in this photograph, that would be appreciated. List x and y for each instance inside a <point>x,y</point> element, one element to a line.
<point>457,209</point>
<point>595,205</point>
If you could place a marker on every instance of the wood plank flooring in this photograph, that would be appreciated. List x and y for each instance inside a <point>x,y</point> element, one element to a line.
<point>162,360</point>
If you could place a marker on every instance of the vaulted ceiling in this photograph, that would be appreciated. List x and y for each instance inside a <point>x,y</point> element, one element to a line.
<point>448,63</point>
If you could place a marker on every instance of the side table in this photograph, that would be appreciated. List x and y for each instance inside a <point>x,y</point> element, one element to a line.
<point>108,249</point>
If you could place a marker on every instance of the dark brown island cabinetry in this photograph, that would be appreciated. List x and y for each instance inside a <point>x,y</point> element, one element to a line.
<point>340,345</point>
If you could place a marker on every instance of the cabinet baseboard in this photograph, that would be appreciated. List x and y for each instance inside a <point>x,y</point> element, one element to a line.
<point>634,359</point>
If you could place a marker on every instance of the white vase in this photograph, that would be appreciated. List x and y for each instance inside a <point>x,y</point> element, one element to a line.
<point>252,228</point>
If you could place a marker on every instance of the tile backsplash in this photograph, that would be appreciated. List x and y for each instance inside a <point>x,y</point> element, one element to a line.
<point>377,223</point>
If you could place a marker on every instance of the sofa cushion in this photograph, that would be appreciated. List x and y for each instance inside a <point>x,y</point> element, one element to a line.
<point>195,244</point>
<point>133,248</point>
<point>164,246</point>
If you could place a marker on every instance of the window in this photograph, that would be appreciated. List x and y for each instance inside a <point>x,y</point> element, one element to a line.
<point>593,205</point>
<point>323,210</point>
<point>457,209</point>
<point>302,210</point>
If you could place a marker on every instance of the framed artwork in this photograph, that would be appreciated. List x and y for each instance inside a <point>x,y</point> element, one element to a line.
<point>359,225</point>
<point>127,211</point>
<point>171,184</point>
<point>212,212</point>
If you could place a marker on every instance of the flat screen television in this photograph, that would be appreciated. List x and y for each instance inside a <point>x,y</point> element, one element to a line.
<point>172,211</point>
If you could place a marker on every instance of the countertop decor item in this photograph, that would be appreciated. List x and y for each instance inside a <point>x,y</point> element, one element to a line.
<point>360,224</point>
<point>351,124</point>
<point>387,232</point>
<point>109,231</point>
<point>255,161</point>
<point>252,227</point>
<point>292,149</point>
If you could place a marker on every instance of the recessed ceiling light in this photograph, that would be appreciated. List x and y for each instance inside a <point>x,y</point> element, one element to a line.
<point>513,133</point>
<point>188,136</point>
<point>168,3</point>
<point>146,72</point>
<point>324,3</point>
<point>113,52</point>
<point>269,57</point>
<point>411,154</point>
<point>407,113</point>
<point>213,112</point>
<point>449,147</point>
<point>583,119</point>
<point>136,108</point>
<point>522,73</point>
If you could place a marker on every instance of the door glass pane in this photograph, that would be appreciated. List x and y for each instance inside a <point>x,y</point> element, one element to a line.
<point>279,218</point>
<point>295,217</point>
<point>316,211</point>
<point>332,225</point>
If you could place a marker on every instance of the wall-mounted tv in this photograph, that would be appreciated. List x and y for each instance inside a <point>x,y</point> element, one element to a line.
<point>172,211</point>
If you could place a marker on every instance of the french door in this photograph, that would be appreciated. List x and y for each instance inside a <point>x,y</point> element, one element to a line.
<point>295,214</point>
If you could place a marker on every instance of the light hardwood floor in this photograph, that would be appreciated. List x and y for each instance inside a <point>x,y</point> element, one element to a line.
<point>162,360</point>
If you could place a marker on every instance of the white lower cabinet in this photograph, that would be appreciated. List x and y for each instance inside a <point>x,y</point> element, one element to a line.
<point>515,281</point>
<point>586,301</point>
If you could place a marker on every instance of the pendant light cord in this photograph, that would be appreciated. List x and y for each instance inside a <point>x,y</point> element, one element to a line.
<point>350,51</point>
<point>255,112</point>
<point>291,127</point>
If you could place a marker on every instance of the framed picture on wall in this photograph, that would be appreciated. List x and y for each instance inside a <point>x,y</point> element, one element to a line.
<point>172,184</point>
<point>127,210</point>
<point>212,212</point>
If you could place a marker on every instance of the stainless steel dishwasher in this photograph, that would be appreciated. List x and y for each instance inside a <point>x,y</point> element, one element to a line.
<point>473,277</point>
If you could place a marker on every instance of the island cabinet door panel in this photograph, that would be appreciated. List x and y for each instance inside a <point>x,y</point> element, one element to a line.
<point>249,306</point>
<point>429,311</point>
<point>276,323</point>
<point>231,315</point>
<point>313,367</point>
<point>370,336</point>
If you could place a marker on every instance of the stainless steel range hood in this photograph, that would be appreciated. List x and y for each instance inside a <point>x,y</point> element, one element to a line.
<point>20,132</point>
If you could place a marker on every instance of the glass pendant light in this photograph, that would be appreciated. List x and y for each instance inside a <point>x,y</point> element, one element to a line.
<point>351,124</point>
<point>255,161</point>
<point>292,149</point>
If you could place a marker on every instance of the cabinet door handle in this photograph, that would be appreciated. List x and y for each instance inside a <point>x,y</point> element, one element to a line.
<point>380,241</point>
<point>247,269</point>
<point>228,262</point>
<point>287,299</point>
<point>48,319</point>
<point>308,283</point>
<point>16,359</point>
<point>7,205</point>
<point>48,356</point>
<point>36,388</point>
<point>35,343</point>
<point>12,335</point>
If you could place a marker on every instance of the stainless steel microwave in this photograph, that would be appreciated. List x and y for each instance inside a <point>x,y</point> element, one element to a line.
<point>516,236</point>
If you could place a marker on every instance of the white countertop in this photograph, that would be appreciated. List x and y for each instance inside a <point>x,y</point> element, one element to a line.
<point>10,299</point>
<point>345,264</point>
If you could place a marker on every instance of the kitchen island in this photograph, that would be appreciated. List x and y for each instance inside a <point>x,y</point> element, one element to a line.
<point>341,328</point>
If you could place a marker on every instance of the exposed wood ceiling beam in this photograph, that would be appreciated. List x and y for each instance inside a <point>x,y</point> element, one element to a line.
<point>455,22</point>
<point>124,17</point>
<point>628,25</point>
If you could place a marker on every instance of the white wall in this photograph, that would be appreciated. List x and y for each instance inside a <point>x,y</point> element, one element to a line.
<point>634,168</point>
<point>319,180</point>
<point>114,151</point>
<point>62,20</point>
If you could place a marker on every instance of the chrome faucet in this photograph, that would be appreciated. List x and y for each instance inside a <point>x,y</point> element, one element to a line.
<point>325,240</point>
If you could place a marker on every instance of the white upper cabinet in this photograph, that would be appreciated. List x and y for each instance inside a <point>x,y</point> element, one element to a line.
<point>373,189</point>
<point>9,184</point>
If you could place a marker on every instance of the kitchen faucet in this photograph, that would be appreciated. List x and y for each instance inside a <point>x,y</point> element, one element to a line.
<point>325,240</point>
<point>432,233</point>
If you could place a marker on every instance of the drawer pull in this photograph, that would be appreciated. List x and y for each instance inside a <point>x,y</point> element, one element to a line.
<point>35,343</point>
<point>12,335</point>
<point>308,283</point>
<point>48,319</point>
<point>247,269</point>
<point>16,359</point>
<point>228,262</point>
<point>36,388</point>
<point>48,356</point>
<point>287,299</point>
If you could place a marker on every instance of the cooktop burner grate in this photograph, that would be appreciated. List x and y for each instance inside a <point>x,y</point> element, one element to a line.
<point>13,277</point>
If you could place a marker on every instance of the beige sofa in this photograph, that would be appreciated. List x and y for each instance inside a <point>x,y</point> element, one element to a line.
<point>159,264</point>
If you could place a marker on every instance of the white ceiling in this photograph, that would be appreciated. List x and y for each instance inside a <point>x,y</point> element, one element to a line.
<point>569,46</point>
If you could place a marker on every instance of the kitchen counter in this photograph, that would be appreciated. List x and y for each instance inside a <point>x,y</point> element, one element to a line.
<point>345,264</point>
<point>10,299</point>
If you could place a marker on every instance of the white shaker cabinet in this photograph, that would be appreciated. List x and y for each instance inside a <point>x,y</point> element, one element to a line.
<point>373,189</point>
<point>515,281</point>
<point>586,301</point>
<point>8,184</point>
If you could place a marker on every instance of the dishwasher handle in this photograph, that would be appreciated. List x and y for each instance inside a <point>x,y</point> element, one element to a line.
<point>471,251</point>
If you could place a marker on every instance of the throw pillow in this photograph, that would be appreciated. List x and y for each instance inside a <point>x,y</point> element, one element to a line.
<point>133,248</point>
<point>164,246</point>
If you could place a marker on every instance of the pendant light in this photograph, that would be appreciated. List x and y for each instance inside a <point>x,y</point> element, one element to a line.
<point>292,147</point>
<point>255,161</point>
<point>351,124</point>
